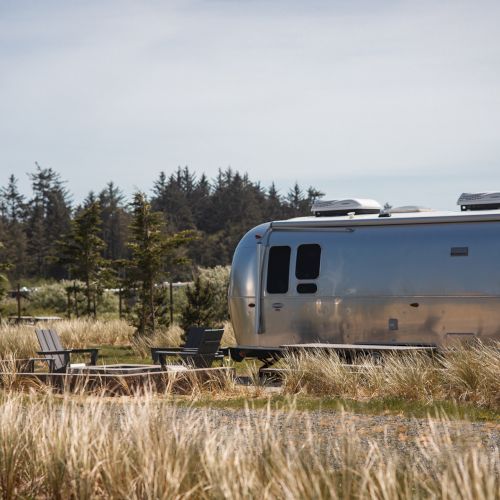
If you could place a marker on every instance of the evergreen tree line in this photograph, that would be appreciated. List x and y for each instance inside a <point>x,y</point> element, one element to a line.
<point>37,232</point>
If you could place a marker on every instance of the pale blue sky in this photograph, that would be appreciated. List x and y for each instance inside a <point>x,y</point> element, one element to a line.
<point>398,101</point>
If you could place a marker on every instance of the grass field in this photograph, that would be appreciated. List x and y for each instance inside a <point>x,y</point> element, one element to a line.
<point>467,377</point>
<point>20,340</point>
<point>145,447</point>
<point>411,427</point>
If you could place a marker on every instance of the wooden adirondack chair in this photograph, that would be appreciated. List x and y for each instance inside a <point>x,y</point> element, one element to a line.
<point>59,359</point>
<point>194,336</point>
<point>201,356</point>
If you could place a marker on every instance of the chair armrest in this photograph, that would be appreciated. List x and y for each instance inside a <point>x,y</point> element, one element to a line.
<point>49,361</point>
<point>161,355</point>
<point>64,351</point>
<point>67,352</point>
<point>171,353</point>
<point>154,350</point>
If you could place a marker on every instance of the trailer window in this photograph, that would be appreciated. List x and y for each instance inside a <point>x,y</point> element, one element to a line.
<point>308,259</point>
<point>278,269</point>
<point>307,288</point>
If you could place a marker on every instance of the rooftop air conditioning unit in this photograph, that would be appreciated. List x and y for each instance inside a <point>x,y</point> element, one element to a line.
<point>345,207</point>
<point>479,201</point>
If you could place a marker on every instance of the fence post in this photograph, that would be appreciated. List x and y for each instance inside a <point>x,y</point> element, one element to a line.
<point>171,302</point>
<point>76,298</point>
<point>120,310</point>
<point>18,296</point>
<point>68,307</point>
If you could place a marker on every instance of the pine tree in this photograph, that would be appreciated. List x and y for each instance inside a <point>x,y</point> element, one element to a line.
<point>13,230</point>
<point>153,256</point>
<point>115,222</point>
<point>295,198</point>
<point>15,249</point>
<point>49,216</point>
<point>172,198</point>
<point>4,267</point>
<point>13,201</point>
<point>220,211</point>
<point>38,244</point>
<point>57,222</point>
<point>91,198</point>
<point>147,245</point>
<point>81,250</point>
<point>200,202</point>
<point>274,204</point>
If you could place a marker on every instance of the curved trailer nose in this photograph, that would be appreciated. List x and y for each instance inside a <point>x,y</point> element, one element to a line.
<point>245,284</point>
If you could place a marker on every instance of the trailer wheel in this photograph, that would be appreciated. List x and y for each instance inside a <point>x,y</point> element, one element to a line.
<point>237,355</point>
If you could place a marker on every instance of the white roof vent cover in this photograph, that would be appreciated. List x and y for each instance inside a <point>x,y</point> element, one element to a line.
<point>479,201</point>
<point>344,207</point>
<point>408,209</point>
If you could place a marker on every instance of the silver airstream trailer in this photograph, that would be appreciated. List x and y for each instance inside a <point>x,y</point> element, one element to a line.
<point>355,274</point>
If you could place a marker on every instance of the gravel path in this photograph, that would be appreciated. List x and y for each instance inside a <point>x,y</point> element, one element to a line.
<point>390,432</point>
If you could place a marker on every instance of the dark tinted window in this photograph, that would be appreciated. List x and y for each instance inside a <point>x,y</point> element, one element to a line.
<point>308,258</point>
<point>307,288</point>
<point>459,251</point>
<point>278,269</point>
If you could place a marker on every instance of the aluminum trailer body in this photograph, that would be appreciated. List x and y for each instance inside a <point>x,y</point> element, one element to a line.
<point>429,278</point>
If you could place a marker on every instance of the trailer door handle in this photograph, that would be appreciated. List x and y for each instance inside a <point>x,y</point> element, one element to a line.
<point>251,304</point>
<point>277,306</point>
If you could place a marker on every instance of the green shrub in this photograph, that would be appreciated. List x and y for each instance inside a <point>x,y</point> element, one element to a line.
<point>206,299</point>
<point>218,278</point>
<point>201,307</point>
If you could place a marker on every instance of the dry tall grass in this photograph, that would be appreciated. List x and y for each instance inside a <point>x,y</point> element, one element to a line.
<point>463,374</point>
<point>20,340</point>
<point>144,448</point>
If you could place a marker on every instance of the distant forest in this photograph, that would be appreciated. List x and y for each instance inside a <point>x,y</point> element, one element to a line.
<point>219,210</point>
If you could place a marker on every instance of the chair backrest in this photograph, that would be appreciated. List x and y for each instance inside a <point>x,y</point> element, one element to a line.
<point>209,346</point>
<point>211,341</point>
<point>50,341</point>
<point>194,337</point>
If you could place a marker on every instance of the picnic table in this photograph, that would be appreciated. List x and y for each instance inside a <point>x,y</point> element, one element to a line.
<point>32,320</point>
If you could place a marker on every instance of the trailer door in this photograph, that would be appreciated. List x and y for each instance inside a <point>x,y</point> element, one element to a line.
<point>276,310</point>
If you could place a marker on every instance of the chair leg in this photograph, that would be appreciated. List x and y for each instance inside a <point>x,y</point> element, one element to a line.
<point>161,359</point>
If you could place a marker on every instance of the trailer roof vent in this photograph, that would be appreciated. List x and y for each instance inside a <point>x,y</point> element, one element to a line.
<point>479,201</point>
<point>343,207</point>
<point>409,209</point>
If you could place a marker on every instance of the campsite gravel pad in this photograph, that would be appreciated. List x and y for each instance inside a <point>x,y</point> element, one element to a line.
<point>390,432</point>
